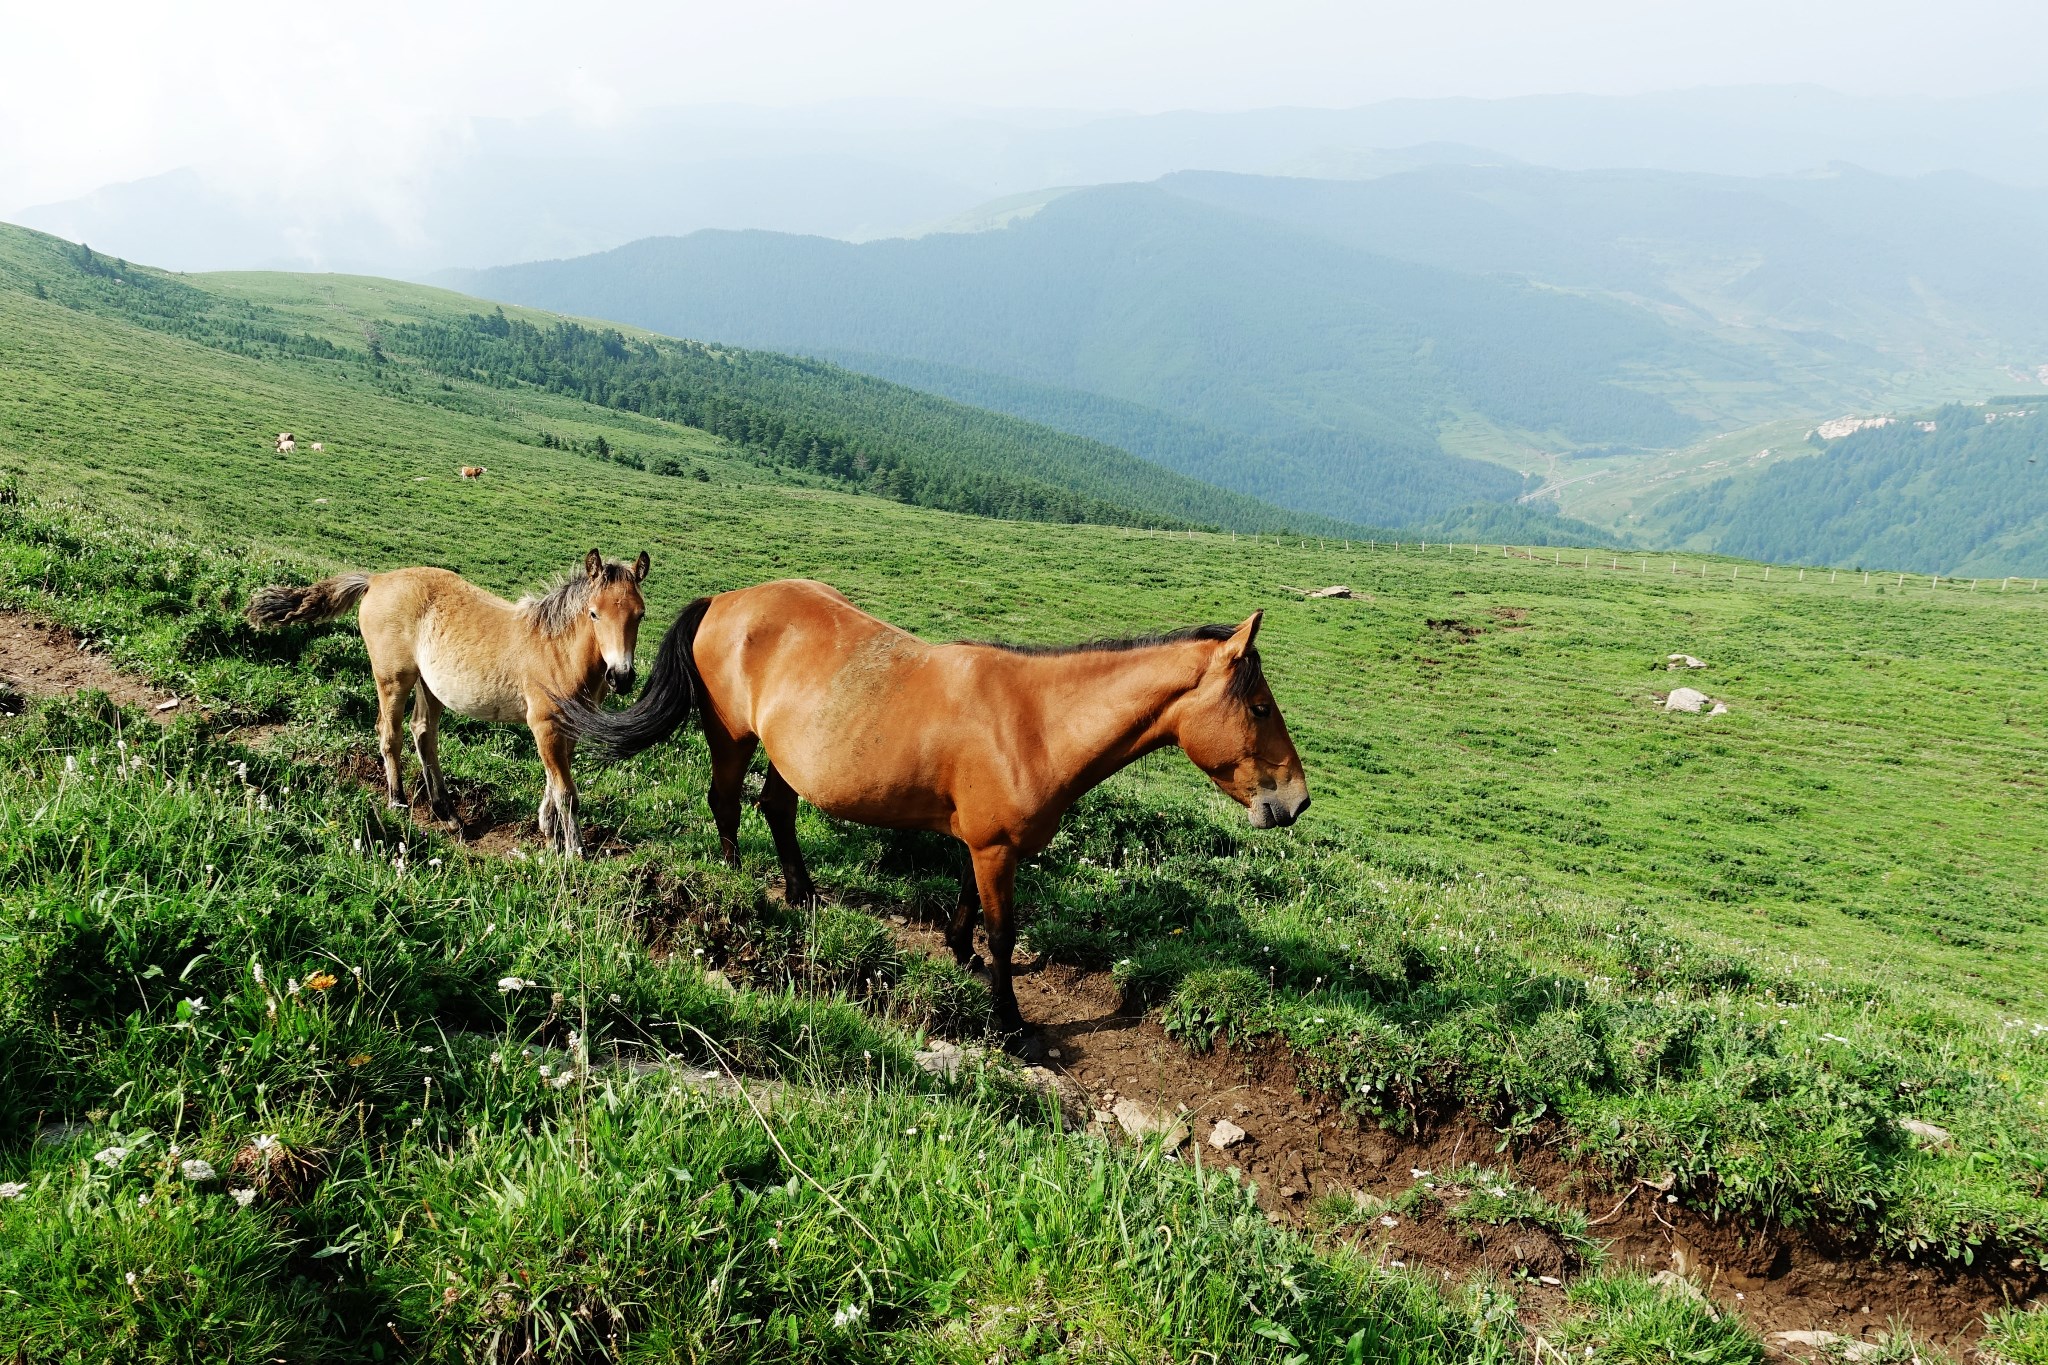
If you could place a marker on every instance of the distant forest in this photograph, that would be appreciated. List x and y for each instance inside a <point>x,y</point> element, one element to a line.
<point>1968,498</point>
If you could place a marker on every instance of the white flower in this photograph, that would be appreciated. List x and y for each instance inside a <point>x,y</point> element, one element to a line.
<point>243,1198</point>
<point>110,1156</point>
<point>292,986</point>
<point>131,1278</point>
<point>263,1142</point>
<point>197,1005</point>
<point>546,1071</point>
<point>1416,1173</point>
<point>258,968</point>
<point>193,1168</point>
<point>433,862</point>
<point>71,766</point>
<point>509,984</point>
<point>13,1189</point>
<point>563,1079</point>
<point>846,1317</point>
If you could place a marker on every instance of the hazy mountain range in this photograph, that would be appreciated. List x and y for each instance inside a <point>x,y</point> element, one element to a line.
<point>510,191</point>
<point>1383,350</point>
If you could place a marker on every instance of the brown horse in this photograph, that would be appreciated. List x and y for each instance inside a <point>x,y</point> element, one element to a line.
<point>988,743</point>
<point>453,645</point>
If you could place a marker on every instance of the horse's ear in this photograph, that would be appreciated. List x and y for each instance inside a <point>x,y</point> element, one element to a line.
<point>1240,642</point>
<point>640,567</point>
<point>593,564</point>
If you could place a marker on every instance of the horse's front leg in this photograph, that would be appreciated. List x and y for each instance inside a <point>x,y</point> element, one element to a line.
<point>995,873</point>
<point>426,743</point>
<point>558,804</point>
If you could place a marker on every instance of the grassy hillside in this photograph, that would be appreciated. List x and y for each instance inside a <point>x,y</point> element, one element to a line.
<point>794,418</point>
<point>1342,362</point>
<point>1732,953</point>
<point>1969,496</point>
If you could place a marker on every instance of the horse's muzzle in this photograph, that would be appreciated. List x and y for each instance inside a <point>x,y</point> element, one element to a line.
<point>620,679</point>
<point>1277,810</point>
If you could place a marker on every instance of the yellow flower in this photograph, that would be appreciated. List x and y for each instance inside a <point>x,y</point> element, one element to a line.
<point>319,981</point>
<point>360,1059</point>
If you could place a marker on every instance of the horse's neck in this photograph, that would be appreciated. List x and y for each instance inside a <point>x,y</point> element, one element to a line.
<point>1103,711</point>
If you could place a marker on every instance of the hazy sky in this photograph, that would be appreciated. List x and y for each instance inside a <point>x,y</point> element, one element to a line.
<point>113,91</point>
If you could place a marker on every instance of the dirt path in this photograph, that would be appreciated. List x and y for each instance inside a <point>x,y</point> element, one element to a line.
<point>1298,1147</point>
<point>38,659</point>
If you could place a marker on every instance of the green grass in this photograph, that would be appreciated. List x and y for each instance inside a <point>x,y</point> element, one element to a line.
<point>1735,951</point>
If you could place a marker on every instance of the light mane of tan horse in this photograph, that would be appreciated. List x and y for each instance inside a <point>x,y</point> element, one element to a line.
<point>988,743</point>
<point>450,645</point>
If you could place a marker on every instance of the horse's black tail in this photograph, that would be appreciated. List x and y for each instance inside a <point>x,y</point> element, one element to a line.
<point>670,697</point>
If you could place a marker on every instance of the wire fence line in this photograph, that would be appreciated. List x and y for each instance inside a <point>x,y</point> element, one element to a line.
<point>1636,561</point>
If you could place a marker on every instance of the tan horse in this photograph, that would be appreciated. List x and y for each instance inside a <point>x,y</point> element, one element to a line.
<point>453,645</point>
<point>988,743</point>
<point>473,471</point>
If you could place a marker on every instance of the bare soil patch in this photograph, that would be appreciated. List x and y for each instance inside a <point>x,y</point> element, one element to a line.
<point>38,659</point>
<point>1300,1146</point>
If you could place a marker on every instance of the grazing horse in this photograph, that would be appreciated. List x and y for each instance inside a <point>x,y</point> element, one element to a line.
<point>454,645</point>
<point>988,743</point>
<point>473,471</point>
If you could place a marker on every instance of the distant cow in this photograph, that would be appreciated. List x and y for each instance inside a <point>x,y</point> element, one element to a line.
<point>473,471</point>
<point>285,444</point>
<point>317,447</point>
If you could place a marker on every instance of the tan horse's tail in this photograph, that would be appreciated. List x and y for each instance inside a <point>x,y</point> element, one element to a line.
<point>671,696</point>
<point>276,607</point>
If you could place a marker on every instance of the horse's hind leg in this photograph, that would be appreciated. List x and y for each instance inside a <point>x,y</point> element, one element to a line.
<point>960,936</point>
<point>426,742</point>
<point>391,690</point>
<point>778,807</point>
<point>729,757</point>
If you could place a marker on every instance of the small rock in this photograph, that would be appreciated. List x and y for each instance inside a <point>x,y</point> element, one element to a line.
<point>1844,1348</point>
<point>1720,708</point>
<point>1073,1104</point>
<point>1678,661</point>
<point>1138,1121</point>
<point>1054,1053</point>
<point>1551,1280</point>
<point>1226,1135</point>
<point>167,705</point>
<point>718,981</point>
<point>941,1059</point>
<point>1289,1192</point>
<point>1928,1134</point>
<point>899,919</point>
<point>1104,1118</point>
<point>1687,699</point>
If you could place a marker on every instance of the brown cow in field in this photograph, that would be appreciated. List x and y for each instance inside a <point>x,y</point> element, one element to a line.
<point>285,443</point>
<point>473,471</point>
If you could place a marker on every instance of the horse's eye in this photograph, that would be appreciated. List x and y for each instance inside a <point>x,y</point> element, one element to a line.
<point>1261,710</point>
<point>593,613</point>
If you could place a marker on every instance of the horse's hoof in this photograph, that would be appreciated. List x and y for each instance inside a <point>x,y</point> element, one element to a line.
<point>1024,1044</point>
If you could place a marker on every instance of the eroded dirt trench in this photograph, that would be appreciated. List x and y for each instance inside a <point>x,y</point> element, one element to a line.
<point>1300,1146</point>
<point>1297,1147</point>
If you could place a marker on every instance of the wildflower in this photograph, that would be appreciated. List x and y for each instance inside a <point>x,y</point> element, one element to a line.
<point>243,1198</point>
<point>70,763</point>
<point>195,1004</point>
<point>292,986</point>
<point>1416,1173</point>
<point>846,1317</point>
<point>563,1080</point>
<point>509,984</point>
<point>1387,1220</point>
<point>263,1142</point>
<point>546,1071</point>
<point>13,1189</point>
<point>433,862</point>
<point>131,1279</point>
<point>194,1168</point>
<point>320,981</point>
<point>110,1156</point>
<point>257,967</point>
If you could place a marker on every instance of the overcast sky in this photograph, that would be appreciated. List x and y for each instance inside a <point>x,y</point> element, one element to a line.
<point>114,91</point>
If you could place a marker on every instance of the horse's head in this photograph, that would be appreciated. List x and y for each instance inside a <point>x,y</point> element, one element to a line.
<point>1231,727</point>
<point>615,611</point>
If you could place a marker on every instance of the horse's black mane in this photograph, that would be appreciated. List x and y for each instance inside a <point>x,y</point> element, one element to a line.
<point>1244,679</point>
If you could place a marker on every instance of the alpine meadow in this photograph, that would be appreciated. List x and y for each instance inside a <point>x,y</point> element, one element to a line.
<point>1569,1024</point>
